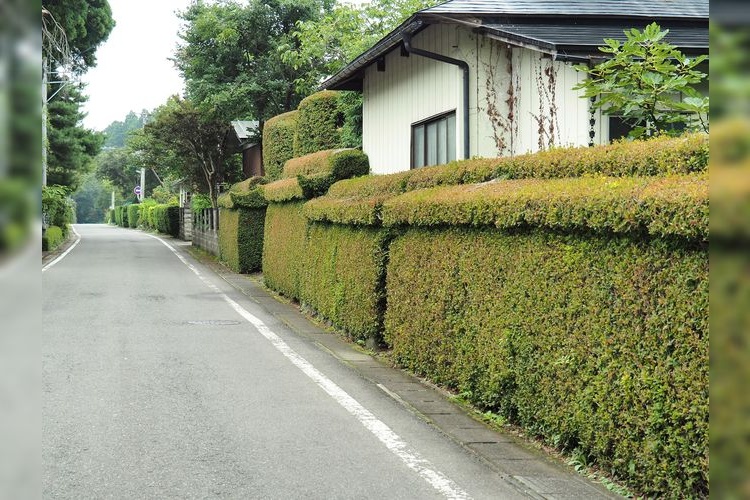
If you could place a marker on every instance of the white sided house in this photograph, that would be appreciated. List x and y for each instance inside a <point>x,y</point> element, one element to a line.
<point>494,78</point>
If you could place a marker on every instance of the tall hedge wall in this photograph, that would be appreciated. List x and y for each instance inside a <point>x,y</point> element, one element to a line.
<point>593,343</point>
<point>278,143</point>
<point>566,290</point>
<point>133,215</point>
<point>319,125</point>
<point>241,238</point>
<point>284,245</point>
<point>336,270</point>
<point>343,276</point>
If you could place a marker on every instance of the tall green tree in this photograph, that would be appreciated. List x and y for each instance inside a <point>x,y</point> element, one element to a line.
<point>119,167</point>
<point>321,47</point>
<point>86,23</point>
<point>341,34</point>
<point>229,56</point>
<point>117,132</point>
<point>92,198</point>
<point>196,143</point>
<point>71,146</point>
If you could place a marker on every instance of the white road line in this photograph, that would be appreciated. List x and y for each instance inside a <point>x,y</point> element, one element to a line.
<point>443,484</point>
<point>66,252</point>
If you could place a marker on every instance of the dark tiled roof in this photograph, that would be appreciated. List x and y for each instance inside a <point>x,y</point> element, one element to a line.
<point>663,9</point>
<point>564,27</point>
<point>585,38</point>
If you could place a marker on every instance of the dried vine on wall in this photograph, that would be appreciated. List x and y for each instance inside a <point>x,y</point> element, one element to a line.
<point>548,128</point>
<point>504,125</point>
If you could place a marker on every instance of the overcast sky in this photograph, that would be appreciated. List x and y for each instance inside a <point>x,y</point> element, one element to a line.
<point>133,71</point>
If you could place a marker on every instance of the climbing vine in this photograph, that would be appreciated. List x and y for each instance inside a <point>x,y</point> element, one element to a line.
<point>504,124</point>
<point>548,128</point>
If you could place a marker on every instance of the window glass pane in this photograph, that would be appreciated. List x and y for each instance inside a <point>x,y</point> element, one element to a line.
<point>451,137</point>
<point>442,152</point>
<point>418,146</point>
<point>432,143</point>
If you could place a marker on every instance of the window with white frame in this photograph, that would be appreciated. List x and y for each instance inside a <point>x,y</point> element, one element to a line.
<point>433,141</point>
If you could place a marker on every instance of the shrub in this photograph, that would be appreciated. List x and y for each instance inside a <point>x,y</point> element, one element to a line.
<point>284,247</point>
<point>143,208</point>
<point>165,219</point>
<point>133,215</point>
<point>57,208</point>
<point>124,220</point>
<point>659,206</point>
<point>658,156</point>
<point>598,344</point>
<point>316,172</point>
<point>319,123</point>
<point>52,238</point>
<point>254,198</point>
<point>343,276</point>
<point>278,143</point>
<point>241,238</point>
<point>359,201</point>
<point>247,193</point>
<point>111,216</point>
<point>199,201</point>
<point>283,190</point>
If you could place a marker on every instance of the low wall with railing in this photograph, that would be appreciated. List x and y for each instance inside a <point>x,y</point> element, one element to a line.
<point>205,230</point>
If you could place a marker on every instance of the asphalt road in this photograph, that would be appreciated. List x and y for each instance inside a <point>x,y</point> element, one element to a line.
<point>162,381</point>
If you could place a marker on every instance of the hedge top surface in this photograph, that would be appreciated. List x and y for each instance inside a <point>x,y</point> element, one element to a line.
<point>313,163</point>
<point>226,200</point>
<point>671,206</point>
<point>326,162</point>
<point>283,190</point>
<point>288,119</point>
<point>323,95</point>
<point>359,201</point>
<point>658,156</point>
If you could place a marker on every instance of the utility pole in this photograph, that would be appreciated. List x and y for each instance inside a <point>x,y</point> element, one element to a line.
<point>143,185</point>
<point>44,121</point>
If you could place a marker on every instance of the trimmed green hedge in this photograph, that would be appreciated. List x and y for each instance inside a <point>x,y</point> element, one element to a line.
<point>278,143</point>
<point>283,190</point>
<point>596,344</point>
<point>241,238</point>
<point>311,175</point>
<point>133,215</point>
<point>163,218</point>
<point>52,238</point>
<point>336,270</point>
<point>167,219</point>
<point>658,206</point>
<point>247,193</point>
<point>122,219</point>
<point>319,123</point>
<point>359,201</point>
<point>343,277</point>
<point>284,246</point>
<point>658,156</point>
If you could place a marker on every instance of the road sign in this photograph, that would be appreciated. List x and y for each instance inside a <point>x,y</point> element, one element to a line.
<point>137,190</point>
